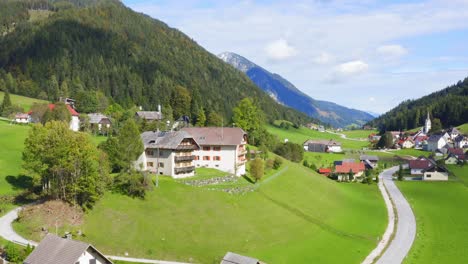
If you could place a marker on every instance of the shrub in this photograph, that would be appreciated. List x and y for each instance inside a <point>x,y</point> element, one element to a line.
<point>290,151</point>
<point>133,184</point>
<point>277,163</point>
<point>256,169</point>
<point>270,163</point>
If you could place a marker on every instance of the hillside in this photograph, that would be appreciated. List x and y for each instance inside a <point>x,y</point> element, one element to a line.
<point>22,101</point>
<point>101,45</point>
<point>286,93</point>
<point>450,105</point>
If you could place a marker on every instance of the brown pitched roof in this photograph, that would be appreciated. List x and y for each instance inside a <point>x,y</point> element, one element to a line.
<point>164,140</point>
<point>57,250</point>
<point>420,164</point>
<point>347,166</point>
<point>216,135</point>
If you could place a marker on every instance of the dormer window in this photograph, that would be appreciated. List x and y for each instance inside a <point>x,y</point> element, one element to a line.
<point>152,141</point>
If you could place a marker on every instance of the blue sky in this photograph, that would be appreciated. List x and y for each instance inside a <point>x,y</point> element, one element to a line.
<point>364,54</point>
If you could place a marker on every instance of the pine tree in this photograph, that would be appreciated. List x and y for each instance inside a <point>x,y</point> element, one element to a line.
<point>6,104</point>
<point>201,118</point>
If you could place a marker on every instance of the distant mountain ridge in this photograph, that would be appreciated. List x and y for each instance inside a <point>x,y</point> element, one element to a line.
<point>284,92</point>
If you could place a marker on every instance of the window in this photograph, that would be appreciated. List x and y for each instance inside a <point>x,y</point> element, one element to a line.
<point>218,148</point>
<point>428,175</point>
<point>197,157</point>
<point>161,164</point>
<point>217,158</point>
<point>206,148</point>
<point>206,157</point>
<point>149,152</point>
<point>149,164</point>
<point>92,261</point>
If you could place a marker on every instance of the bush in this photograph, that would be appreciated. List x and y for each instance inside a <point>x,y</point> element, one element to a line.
<point>15,253</point>
<point>133,184</point>
<point>256,169</point>
<point>269,164</point>
<point>290,151</point>
<point>305,163</point>
<point>277,163</point>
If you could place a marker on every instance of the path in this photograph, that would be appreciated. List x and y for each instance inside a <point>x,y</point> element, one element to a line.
<point>343,136</point>
<point>406,226</point>
<point>8,233</point>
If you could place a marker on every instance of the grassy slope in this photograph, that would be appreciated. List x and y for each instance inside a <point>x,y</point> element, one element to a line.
<point>359,133</point>
<point>463,128</point>
<point>302,134</point>
<point>24,102</point>
<point>441,219</point>
<point>292,219</point>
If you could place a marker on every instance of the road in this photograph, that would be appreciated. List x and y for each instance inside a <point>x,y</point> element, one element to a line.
<point>345,137</point>
<point>406,226</point>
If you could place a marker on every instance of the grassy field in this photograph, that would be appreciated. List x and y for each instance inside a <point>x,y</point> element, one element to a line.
<point>463,128</point>
<point>441,219</point>
<point>24,102</point>
<point>359,133</point>
<point>411,152</point>
<point>302,134</point>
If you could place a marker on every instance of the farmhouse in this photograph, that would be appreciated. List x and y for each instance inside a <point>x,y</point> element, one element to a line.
<point>345,168</point>
<point>22,118</point>
<point>418,166</point>
<point>436,173</point>
<point>453,159</point>
<point>57,250</point>
<point>406,143</point>
<point>99,121</point>
<point>322,146</point>
<point>168,153</point>
<point>222,148</point>
<point>371,162</point>
<point>150,115</point>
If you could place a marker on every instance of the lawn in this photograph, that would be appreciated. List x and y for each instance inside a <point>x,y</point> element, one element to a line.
<point>363,134</point>
<point>441,220</point>
<point>463,128</point>
<point>411,152</point>
<point>24,102</point>
<point>300,135</point>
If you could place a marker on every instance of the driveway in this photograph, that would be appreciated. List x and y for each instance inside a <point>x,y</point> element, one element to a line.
<point>406,226</point>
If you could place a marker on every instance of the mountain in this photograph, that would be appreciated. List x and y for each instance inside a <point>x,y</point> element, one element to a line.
<point>450,105</point>
<point>101,49</point>
<point>287,94</point>
<point>374,114</point>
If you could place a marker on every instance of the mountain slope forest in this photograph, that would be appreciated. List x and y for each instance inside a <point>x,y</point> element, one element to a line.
<point>286,93</point>
<point>450,105</point>
<point>94,49</point>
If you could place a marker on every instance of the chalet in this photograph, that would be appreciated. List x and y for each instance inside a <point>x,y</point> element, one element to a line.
<point>371,162</point>
<point>418,166</point>
<point>322,146</point>
<point>345,168</point>
<point>57,250</point>
<point>99,121</point>
<point>168,153</point>
<point>22,118</point>
<point>222,148</point>
<point>233,258</point>
<point>406,143</point>
<point>436,142</point>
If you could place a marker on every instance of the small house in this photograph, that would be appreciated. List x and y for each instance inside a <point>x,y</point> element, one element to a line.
<point>418,166</point>
<point>370,161</point>
<point>436,173</point>
<point>150,116</point>
<point>345,168</point>
<point>461,141</point>
<point>322,146</point>
<point>57,250</point>
<point>99,121</point>
<point>436,142</point>
<point>22,118</point>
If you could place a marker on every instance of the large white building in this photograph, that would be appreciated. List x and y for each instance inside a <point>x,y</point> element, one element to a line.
<point>168,153</point>
<point>222,148</point>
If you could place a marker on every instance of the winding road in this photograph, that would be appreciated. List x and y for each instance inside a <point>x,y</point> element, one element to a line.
<point>394,251</point>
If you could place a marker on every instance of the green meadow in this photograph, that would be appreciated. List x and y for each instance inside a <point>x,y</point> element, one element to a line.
<point>441,218</point>
<point>361,134</point>
<point>24,102</point>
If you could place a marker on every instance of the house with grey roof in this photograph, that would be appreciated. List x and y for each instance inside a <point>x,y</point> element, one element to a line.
<point>370,161</point>
<point>168,153</point>
<point>57,250</point>
<point>99,122</point>
<point>322,146</point>
<point>437,141</point>
<point>150,115</point>
<point>222,148</point>
<point>233,258</point>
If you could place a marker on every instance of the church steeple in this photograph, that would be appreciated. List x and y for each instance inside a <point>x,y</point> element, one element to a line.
<point>427,124</point>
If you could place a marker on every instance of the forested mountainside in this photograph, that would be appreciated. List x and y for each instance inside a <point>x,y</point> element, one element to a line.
<point>450,105</point>
<point>286,93</point>
<point>62,48</point>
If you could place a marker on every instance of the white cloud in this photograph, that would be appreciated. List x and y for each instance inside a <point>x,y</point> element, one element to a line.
<point>323,58</point>
<point>352,67</point>
<point>392,51</point>
<point>280,50</point>
<point>371,99</point>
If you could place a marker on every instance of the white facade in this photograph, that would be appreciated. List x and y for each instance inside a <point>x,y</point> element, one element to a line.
<point>417,171</point>
<point>435,145</point>
<point>22,120</point>
<point>463,143</point>
<point>166,162</point>
<point>435,176</point>
<point>89,256</point>
<point>407,144</point>
<point>229,158</point>
<point>427,124</point>
<point>75,123</point>
<point>334,149</point>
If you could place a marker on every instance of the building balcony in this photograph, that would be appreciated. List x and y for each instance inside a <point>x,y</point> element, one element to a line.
<point>241,162</point>
<point>241,152</point>
<point>184,169</point>
<point>187,147</point>
<point>184,158</point>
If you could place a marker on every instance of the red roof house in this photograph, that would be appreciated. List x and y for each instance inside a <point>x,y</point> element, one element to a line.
<point>70,109</point>
<point>356,168</point>
<point>325,171</point>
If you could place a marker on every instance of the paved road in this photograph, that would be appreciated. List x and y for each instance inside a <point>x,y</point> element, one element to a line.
<point>7,232</point>
<point>406,226</point>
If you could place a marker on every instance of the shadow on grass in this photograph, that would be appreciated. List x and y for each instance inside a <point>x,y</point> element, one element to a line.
<point>248,179</point>
<point>20,182</point>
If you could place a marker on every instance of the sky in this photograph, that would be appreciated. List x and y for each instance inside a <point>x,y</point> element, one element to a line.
<point>364,54</point>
